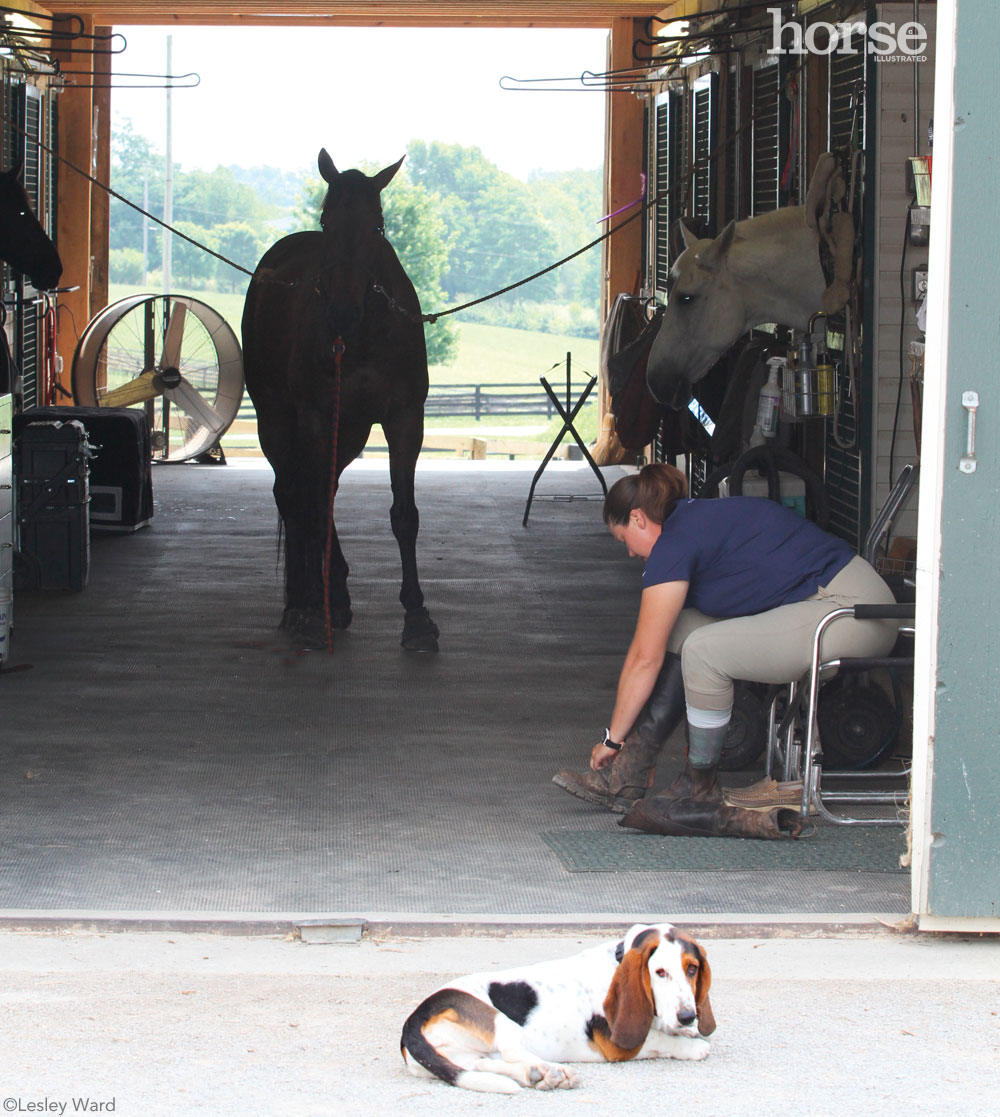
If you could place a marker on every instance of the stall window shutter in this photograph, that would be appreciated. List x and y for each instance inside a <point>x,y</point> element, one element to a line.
<point>668,170</point>
<point>766,107</point>
<point>704,141</point>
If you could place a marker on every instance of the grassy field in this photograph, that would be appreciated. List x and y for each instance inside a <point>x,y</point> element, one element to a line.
<point>486,355</point>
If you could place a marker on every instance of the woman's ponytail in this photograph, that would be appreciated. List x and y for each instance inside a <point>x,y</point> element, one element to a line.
<point>655,489</point>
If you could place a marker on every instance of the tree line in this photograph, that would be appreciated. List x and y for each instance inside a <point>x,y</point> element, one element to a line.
<point>462,228</point>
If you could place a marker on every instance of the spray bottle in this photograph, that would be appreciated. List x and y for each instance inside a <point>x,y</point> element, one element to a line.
<point>769,402</point>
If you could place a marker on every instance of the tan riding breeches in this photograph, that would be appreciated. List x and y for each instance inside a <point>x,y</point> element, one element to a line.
<point>776,646</point>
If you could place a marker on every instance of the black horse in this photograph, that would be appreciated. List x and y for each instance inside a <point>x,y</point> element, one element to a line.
<point>332,343</point>
<point>23,242</point>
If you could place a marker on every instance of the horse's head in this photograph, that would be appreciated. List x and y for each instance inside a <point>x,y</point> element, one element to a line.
<point>704,315</point>
<point>23,242</point>
<point>353,229</point>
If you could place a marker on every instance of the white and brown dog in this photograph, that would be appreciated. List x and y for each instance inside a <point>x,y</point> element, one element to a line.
<point>644,996</point>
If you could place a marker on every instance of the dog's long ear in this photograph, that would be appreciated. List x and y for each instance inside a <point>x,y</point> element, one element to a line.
<point>628,1007</point>
<point>706,1018</point>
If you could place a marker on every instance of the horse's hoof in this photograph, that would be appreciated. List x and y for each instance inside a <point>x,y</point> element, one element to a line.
<point>420,633</point>
<point>308,628</point>
<point>341,618</point>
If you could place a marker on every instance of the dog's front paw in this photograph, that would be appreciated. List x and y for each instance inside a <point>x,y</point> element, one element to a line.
<point>552,1076</point>
<point>690,1047</point>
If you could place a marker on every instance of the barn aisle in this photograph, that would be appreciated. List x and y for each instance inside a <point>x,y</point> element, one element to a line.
<point>164,750</point>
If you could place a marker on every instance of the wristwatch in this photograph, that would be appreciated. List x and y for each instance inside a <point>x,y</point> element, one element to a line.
<point>609,744</point>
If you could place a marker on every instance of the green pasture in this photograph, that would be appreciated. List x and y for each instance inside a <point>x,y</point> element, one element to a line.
<point>486,355</point>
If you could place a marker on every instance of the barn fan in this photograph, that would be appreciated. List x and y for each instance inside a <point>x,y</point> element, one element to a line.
<point>172,355</point>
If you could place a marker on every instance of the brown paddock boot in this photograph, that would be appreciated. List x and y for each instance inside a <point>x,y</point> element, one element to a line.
<point>630,774</point>
<point>627,778</point>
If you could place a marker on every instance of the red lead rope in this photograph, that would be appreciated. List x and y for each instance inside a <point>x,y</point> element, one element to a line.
<point>338,352</point>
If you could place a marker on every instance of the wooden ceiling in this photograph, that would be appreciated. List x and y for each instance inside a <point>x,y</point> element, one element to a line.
<point>366,13</point>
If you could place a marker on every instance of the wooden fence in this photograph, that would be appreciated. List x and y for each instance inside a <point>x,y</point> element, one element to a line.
<point>473,400</point>
<point>476,401</point>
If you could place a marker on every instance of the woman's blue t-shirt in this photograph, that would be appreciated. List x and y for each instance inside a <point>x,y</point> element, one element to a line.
<point>743,555</point>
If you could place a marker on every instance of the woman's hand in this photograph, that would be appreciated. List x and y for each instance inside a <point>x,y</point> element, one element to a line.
<point>601,756</point>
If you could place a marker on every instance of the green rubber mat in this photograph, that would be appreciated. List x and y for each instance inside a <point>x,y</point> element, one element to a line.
<point>863,849</point>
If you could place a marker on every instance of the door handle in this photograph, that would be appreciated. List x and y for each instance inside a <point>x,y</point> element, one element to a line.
<point>967,464</point>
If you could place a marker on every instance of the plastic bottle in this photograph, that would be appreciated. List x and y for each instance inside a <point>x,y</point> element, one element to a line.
<point>769,401</point>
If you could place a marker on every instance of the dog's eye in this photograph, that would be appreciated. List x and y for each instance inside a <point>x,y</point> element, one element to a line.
<point>692,970</point>
<point>661,973</point>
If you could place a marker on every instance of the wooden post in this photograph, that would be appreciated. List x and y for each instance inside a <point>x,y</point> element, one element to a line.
<point>622,174</point>
<point>78,145</point>
<point>100,200</point>
<point>624,168</point>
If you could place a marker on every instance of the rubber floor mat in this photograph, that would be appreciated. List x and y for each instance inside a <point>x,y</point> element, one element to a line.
<point>829,848</point>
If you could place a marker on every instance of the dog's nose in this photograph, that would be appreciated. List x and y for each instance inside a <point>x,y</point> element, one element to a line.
<point>686,1017</point>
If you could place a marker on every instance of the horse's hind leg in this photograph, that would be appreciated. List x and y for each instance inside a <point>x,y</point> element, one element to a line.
<point>404,437</point>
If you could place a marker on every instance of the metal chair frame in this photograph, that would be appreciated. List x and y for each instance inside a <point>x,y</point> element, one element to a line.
<point>793,740</point>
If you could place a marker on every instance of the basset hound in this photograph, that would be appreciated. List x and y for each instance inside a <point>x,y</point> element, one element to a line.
<point>644,996</point>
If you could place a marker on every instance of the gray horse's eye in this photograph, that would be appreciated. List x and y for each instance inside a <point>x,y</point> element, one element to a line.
<point>685,299</point>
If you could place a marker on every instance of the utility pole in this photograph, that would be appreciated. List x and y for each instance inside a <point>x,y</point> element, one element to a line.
<point>168,185</point>
<point>145,225</point>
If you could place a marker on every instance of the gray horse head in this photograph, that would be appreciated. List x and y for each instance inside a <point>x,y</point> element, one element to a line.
<point>765,269</point>
<point>703,317</point>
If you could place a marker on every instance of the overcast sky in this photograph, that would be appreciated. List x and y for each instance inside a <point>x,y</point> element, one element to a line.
<point>275,96</point>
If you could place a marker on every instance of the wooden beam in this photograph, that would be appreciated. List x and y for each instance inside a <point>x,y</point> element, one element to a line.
<point>368,13</point>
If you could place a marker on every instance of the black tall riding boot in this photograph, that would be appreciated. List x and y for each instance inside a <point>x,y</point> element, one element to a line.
<point>692,806</point>
<point>629,775</point>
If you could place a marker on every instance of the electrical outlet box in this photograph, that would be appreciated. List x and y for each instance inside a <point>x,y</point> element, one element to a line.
<point>919,286</point>
<point>920,225</point>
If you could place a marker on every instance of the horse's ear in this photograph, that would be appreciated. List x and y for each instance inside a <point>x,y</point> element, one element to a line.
<point>687,236</point>
<point>713,256</point>
<point>14,172</point>
<point>326,167</point>
<point>385,176</point>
